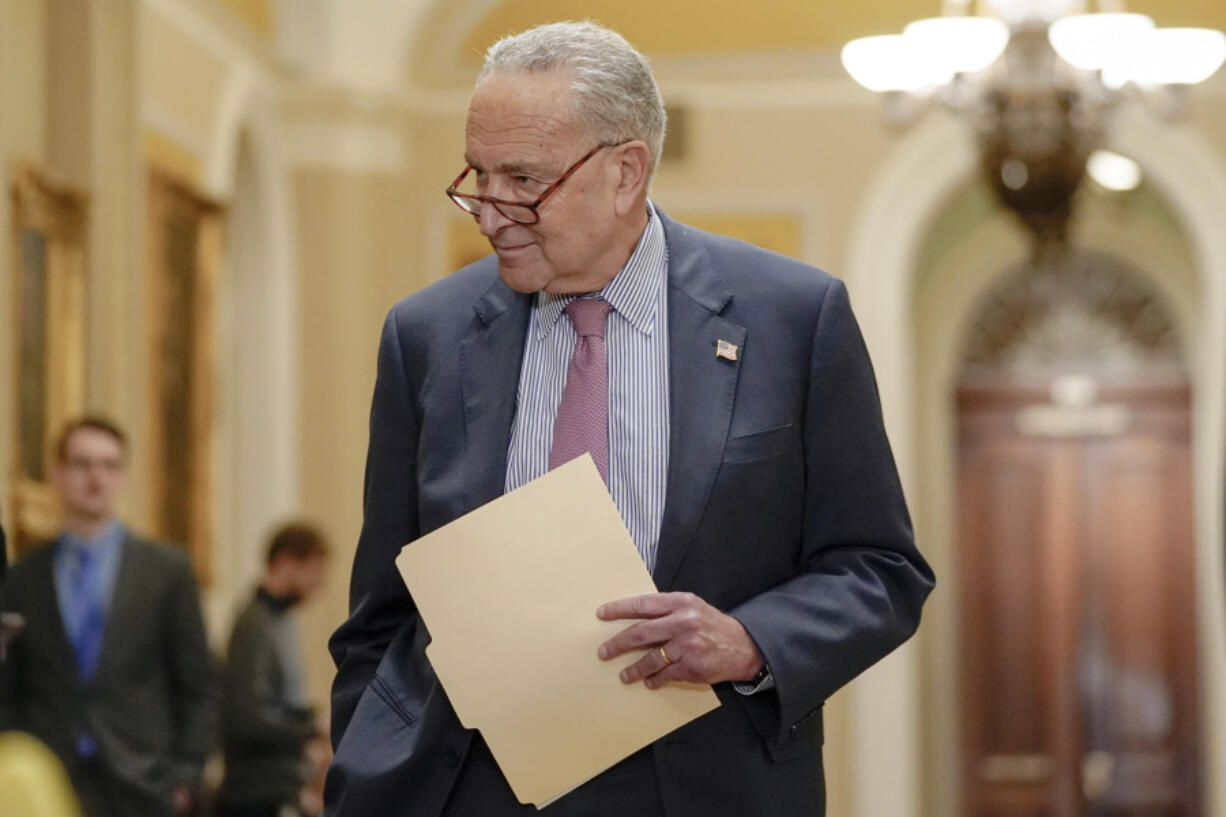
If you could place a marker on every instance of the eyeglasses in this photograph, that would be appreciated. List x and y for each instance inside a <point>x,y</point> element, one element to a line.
<point>521,212</point>
<point>107,464</point>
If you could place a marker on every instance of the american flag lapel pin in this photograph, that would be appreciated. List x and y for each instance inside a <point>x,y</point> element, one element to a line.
<point>726,350</point>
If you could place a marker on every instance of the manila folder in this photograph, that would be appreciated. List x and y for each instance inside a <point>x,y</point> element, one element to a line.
<point>509,594</point>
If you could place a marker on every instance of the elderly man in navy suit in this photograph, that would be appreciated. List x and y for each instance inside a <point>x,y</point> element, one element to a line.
<point>727,398</point>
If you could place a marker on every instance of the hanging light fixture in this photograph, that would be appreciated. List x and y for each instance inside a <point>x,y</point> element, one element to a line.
<point>1038,80</point>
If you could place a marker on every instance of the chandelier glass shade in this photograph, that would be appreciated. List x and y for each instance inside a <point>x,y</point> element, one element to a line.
<point>1100,42</point>
<point>888,62</point>
<point>1038,87</point>
<point>1180,56</point>
<point>956,44</point>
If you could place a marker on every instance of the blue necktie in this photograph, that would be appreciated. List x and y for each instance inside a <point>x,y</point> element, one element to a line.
<point>89,613</point>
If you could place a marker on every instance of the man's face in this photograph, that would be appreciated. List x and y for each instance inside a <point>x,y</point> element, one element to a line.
<point>91,475</point>
<point>304,577</point>
<point>311,575</point>
<point>521,138</point>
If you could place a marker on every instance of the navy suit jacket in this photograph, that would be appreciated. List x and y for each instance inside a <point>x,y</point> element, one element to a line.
<point>783,508</point>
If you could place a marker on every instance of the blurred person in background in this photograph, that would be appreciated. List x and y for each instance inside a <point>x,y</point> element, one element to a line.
<point>112,671</point>
<point>267,719</point>
<point>10,623</point>
<point>5,629</point>
<point>31,776</point>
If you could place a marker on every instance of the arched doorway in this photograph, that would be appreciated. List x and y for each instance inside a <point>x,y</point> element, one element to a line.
<point>914,332</point>
<point>1076,555</point>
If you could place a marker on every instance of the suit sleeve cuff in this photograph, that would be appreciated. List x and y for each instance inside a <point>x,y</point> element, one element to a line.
<point>763,682</point>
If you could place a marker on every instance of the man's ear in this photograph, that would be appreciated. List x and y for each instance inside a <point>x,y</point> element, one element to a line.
<point>634,171</point>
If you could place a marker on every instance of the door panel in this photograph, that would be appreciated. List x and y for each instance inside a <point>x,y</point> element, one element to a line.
<point>1139,668</point>
<point>1078,674</point>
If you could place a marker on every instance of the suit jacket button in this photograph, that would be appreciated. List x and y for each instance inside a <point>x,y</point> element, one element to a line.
<point>452,758</point>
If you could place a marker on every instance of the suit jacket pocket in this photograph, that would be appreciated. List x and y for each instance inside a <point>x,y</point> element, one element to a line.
<point>762,444</point>
<point>804,737</point>
<point>380,688</point>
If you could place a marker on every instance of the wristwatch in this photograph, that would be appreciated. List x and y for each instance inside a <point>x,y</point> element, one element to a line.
<point>761,682</point>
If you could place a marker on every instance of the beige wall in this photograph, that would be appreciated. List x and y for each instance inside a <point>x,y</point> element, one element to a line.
<point>357,234</point>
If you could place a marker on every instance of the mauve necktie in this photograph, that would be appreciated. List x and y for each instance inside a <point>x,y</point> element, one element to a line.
<point>583,415</point>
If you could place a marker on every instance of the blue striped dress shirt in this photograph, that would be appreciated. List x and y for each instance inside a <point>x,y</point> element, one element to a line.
<point>636,352</point>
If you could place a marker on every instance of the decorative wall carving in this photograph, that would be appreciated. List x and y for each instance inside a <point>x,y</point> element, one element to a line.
<point>1079,312</point>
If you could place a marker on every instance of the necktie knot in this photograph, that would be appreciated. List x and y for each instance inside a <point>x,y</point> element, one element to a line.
<point>84,556</point>
<point>588,315</point>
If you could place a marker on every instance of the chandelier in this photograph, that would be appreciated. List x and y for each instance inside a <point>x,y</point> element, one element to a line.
<point>1038,81</point>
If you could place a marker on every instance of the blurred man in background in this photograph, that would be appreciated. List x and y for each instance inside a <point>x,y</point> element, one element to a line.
<point>4,564</point>
<point>113,670</point>
<point>268,721</point>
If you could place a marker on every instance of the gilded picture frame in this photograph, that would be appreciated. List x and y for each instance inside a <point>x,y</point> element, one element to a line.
<point>49,297</point>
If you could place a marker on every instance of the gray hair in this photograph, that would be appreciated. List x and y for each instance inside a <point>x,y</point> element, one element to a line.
<point>616,98</point>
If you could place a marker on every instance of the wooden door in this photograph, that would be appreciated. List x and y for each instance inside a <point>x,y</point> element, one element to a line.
<point>1078,655</point>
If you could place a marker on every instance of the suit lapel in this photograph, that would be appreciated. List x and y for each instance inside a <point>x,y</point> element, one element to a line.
<point>48,596</point>
<point>702,390</point>
<point>490,361</point>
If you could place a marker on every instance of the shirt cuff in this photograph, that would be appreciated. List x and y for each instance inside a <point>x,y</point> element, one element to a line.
<point>762,684</point>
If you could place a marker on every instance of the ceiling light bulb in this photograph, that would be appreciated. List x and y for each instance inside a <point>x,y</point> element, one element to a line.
<point>1014,174</point>
<point>1113,171</point>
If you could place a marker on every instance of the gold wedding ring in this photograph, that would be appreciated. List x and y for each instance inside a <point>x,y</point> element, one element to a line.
<point>664,655</point>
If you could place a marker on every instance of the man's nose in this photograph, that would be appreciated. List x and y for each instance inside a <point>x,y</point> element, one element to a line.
<point>491,220</point>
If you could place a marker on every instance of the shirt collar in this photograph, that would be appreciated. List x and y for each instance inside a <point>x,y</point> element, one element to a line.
<point>632,291</point>
<point>110,537</point>
<point>277,604</point>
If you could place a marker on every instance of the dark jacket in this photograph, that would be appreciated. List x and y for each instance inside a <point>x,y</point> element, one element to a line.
<point>151,704</point>
<point>264,735</point>
<point>783,508</point>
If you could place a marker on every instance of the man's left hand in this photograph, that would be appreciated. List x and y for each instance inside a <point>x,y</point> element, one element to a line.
<point>686,640</point>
